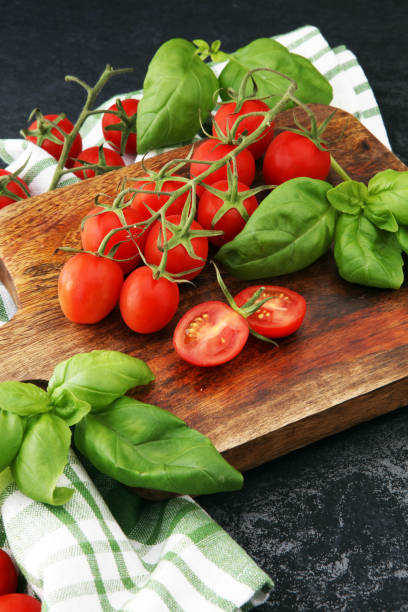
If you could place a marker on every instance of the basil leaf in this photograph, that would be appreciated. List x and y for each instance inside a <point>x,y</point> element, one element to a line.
<point>41,460</point>
<point>141,445</point>
<point>23,398</point>
<point>11,436</point>
<point>388,191</point>
<point>312,86</point>
<point>348,197</point>
<point>402,237</point>
<point>70,408</point>
<point>98,377</point>
<point>367,255</point>
<point>178,90</point>
<point>291,228</point>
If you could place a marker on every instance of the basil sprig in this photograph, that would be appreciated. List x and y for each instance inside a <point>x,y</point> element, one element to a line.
<point>136,443</point>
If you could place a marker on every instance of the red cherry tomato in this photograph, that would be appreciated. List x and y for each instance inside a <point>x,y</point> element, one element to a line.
<point>114,137</point>
<point>14,185</point>
<point>225,118</point>
<point>178,258</point>
<point>8,574</point>
<point>154,201</point>
<point>209,334</point>
<point>19,602</point>
<point>148,304</point>
<point>231,222</point>
<point>91,156</point>
<point>98,226</point>
<point>291,155</point>
<point>89,287</point>
<point>55,148</point>
<point>280,316</point>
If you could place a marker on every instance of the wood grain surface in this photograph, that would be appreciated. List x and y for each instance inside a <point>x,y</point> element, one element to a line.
<point>347,363</point>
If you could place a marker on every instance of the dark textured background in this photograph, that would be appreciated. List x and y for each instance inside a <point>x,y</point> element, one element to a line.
<point>327,522</point>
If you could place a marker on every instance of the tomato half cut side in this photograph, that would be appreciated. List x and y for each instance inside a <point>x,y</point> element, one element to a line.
<point>210,334</point>
<point>280,316</point>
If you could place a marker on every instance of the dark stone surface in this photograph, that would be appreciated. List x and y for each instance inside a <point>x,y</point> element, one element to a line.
<point>327,522</point>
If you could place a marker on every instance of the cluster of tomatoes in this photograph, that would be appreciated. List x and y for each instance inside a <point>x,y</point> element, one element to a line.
<point>10,601</point>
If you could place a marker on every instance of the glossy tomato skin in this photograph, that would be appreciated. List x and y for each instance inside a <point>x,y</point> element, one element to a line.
<point>211,150</point>
<point>148,304</point>
<point>19,602</point>
<point>226,116</point>
<point>55,148</point>
<point>178,259</point>
<point>98,226</point>
<point>210,334</point>
<point>8,574</point>
<point>89,287</point>
<point>114,137</point>
<point>155,201</point>
<point>15,186</point>
<point>91,156</point>
<point>279,317</point>
<point>231,223</point>
<point>291,155</point>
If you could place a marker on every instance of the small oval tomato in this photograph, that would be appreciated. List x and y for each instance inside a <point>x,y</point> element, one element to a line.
<point>291,155</point>
<point>97,226</point>
<point>114,137</point>
<point>226,116</point>
<point>57,132</point>
<point>89,287</point>
<point>210,333</point>
<point>15,185</point>
<point>91,156</point>
<point>231,222</point>
<point>178,258</point>
<point>280,316</point>
<point>19,602</point>
<point>8,574</point>
<point>143,201</point>
<point>148,304</point>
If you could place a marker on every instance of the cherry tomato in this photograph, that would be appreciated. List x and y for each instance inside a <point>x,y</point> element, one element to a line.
<point>91,156</point>
<point>178,259</point>
<point>231,222</point>
<point>8,574</point>
<point>19,602</point>
<point>154,201</point>
<point>114,137</point>
<point>89,287</point>
<point>291,155</point>
<point>225,118</point>
<point>211,150</point>
<point>55,148</point>
<point>148,304</point>
<point>14,185</point>
<point>210,333</point>
<point>280,316</point>
<point>98,226</point>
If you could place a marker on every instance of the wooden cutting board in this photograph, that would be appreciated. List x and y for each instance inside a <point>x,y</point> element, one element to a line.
<point>347,363</point>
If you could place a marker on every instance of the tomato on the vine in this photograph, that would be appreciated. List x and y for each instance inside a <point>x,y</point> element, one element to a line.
<point>92,156</point>
<point>115,136</point>
<point>291,155</point>
<point>19,602</point>
<point>148,304</point>
<point>8,574</point>
<point>226,116</point>
<point>143,201</point>
<point>210,334</point>
<point>280,316</point>
<point>89,287</point>
<point>179,259</point>
<point>54,146</point>
<point>15,185</point>
<point>99,224</point>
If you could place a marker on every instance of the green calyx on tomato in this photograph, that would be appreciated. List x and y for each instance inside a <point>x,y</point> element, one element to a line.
<point>119,125</point>
<point>95,161</point>
<point>12,187</point>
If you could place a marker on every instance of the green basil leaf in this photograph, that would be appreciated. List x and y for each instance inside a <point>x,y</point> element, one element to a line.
<point>388,190</point>
<point>41,460</point>
<point>291,228</point>
<point>142,445</point>
<point>367,255</point>
<point>23,398</point>
<point>312,86</point>
<point>69,408</point>
<point>402,237</point>
<point>178,90</point>
<point>381,217</point>
<point>348,197</point>
<point>98,377</point>
<point>11,436</point>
